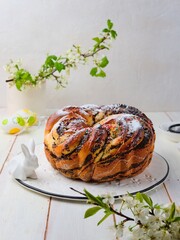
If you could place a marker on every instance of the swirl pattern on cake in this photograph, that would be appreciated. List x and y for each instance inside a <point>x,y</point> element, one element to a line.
<point>99,143</point>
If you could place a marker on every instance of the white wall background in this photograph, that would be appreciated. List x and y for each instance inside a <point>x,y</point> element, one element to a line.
<point>144,68</point>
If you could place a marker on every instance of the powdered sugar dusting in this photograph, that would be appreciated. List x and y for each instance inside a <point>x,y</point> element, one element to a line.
<point>91,106</point>
<point>134,125</point>
<point>131,121</point>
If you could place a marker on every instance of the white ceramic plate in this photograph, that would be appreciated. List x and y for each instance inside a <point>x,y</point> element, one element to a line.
<point>51,183</point>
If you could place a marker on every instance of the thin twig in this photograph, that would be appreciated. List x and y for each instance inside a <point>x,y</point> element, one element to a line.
<point>9,80</point>
<point>121,214</point>
<point>78,191</point>
<point>115,223</point>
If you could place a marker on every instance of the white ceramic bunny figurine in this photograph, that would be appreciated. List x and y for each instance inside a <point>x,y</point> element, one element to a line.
<point>25,167</point>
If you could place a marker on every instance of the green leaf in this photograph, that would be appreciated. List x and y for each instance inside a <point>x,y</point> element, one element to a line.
<point>176,219</point>
<point>104,218</point>
<point>18,85</point>
<point>53,57</point>
<point>104,62</point>
<point>49,63</point>
<point>130,194</point>
<point>105,30</point>
<point>50,60</point>
<point>101,74</point>
<point>95,200</point>
<point>93,71</point>
<point>172,212</point>
<point>91,211</point>
<point>113,34</point>
<point>109,24</point>
<point>16,66</point>
<point>27,77</point>
<point>102,46</point>
<point>91,197</point>
<point>96,46</point>
<point>157,206</point>
<point>147,199</point>
<point>96,39</point>
<point>139,197</point>
<point>23,77</point>
<point>59,66</point>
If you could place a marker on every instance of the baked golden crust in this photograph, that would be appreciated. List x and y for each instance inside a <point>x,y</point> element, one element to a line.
<point>99,143</point>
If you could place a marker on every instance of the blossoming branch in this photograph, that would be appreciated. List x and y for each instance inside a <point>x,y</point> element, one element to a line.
<point>148,220</point>
<point>58,67</point>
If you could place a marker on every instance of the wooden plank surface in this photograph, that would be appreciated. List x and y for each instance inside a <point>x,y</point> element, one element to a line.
<point>170,152</point>
<point>23,214</point>
<point>173,155</point>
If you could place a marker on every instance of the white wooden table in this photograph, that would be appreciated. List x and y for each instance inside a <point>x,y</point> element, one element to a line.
<point>25,215</point>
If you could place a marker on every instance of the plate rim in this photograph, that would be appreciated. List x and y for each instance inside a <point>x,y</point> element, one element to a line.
<point>81,198</point>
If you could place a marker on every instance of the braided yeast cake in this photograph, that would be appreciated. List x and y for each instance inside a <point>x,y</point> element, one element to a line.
<point>99,144</point>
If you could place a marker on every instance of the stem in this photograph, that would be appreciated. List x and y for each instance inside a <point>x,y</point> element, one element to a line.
<point>115,224</point>
<point>10,80</point>
<point>114,217</point>
<point>78,191</point>
<point>86,55</point>
<point>121,214</point>
<point>49,74</point>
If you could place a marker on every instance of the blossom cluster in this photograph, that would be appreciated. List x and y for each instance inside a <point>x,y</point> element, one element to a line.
<point>144,221</point>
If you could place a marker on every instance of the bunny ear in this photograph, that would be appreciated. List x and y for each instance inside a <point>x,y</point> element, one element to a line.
<point>25,150</point>
<point>32,145</point>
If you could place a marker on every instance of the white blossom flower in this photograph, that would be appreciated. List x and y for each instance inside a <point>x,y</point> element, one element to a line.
<point>141,214</point>
<point>162,215</point>
<point>108,198</point>
<point>11,67</point>
<point>68,71</point>
<point>154,223</point>
<point>119,230</point>
<point>158,234</point>
<point>129,202</point>
<point>175,230</point>
<point>96,60</point>
<point>139,233</point>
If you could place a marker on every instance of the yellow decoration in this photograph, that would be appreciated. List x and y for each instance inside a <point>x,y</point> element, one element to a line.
<point>14,130</point>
